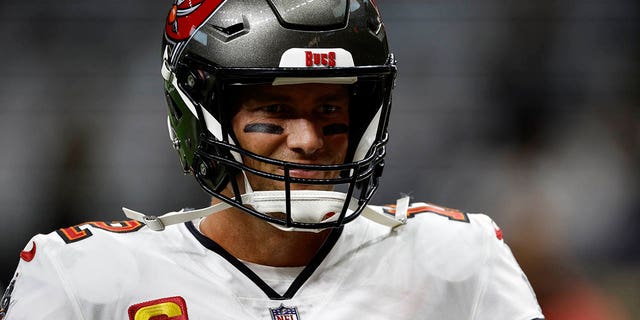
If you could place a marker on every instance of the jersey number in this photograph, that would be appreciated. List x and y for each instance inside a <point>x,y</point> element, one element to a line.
<point>81,231</point>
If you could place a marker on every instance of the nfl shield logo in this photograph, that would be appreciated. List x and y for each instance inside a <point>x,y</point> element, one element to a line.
<point>284,313</point>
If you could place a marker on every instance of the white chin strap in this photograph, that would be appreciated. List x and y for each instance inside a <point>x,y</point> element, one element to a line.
<point>307,206</point>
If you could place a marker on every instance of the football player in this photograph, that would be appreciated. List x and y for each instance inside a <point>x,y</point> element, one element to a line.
<point>279,109</point>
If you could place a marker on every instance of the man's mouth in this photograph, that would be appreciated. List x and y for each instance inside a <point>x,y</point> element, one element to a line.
<point>306,174</point>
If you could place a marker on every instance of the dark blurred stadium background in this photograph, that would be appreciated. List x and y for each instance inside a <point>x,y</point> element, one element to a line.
<point>526,110</point>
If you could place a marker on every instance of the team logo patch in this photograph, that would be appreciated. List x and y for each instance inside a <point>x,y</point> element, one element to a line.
<point>284,313</point>
<point>172,308</point>
<point>188,15</point>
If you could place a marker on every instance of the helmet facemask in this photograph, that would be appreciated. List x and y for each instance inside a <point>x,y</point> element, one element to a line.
<point>217,162</point>
<point>212,47</point>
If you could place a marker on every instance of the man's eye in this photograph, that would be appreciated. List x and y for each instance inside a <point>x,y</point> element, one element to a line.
<point>329,109</point>
<point>274,108</point>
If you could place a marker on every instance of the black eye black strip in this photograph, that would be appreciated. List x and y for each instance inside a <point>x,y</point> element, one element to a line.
<point>336,128</point>
<point>264,128</point>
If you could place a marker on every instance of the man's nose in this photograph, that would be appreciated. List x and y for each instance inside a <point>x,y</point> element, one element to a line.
<point>304,136</point>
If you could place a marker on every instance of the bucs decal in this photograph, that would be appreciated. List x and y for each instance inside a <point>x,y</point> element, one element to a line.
<point>317,58</point>
<point>186,16</point>
<point>82,231</point>
<point>284,313</point>
<point>174,308</point>
<point>326,59</point>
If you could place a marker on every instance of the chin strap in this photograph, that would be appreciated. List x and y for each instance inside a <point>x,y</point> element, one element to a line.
<point>318,203</point>
<point>377,214</point>
<point>156,223</point>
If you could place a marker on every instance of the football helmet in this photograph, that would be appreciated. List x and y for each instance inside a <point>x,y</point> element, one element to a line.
<point>211,47</point>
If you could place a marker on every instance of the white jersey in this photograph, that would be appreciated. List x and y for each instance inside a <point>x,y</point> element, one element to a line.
<point>447,265</point>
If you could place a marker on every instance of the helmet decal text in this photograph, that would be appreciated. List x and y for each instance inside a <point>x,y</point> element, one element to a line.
<point>320,59</point>
<point>316,57</point>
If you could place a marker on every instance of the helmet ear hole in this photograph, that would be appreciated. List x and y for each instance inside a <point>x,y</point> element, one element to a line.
<point>191,81</point>
<point>195,80</point>
<point>211,176</point>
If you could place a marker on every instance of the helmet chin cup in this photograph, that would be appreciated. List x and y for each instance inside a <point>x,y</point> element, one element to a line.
<point>306,206</point>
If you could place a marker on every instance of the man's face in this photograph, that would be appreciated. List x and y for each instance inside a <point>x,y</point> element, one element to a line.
<point>303,123</point>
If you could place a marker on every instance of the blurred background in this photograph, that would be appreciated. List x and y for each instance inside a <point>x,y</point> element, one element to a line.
<point>526,110</point>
